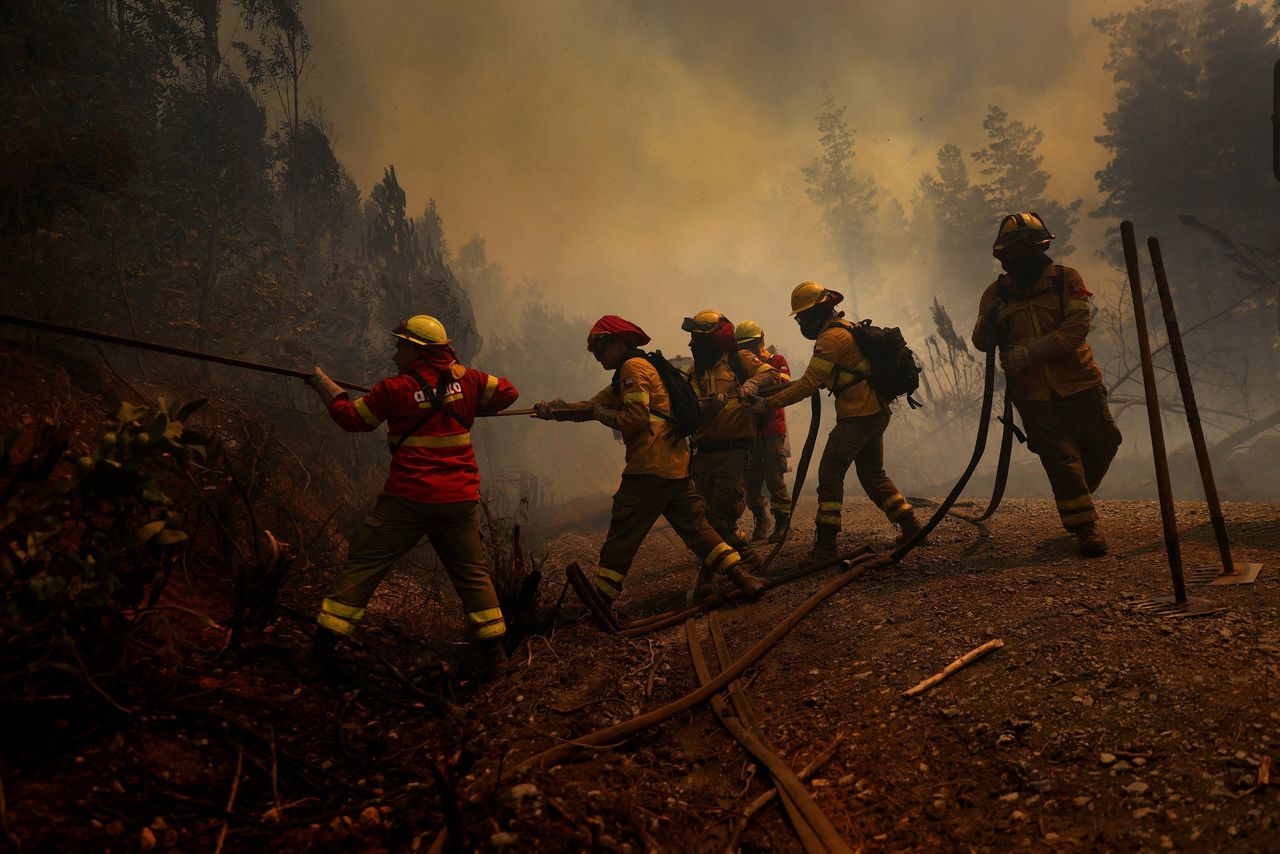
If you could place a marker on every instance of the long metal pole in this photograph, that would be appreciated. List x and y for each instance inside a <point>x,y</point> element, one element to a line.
<point>1189,405</point>
<point>71,331</point>
<point>1167,517</point>
<point>1275,123</point>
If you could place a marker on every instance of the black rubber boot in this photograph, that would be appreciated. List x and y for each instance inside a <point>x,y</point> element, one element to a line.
<point>780,523</point>
<point>824,544</point>
<point>317,663</point>
<point>1090,542</point>
<point>763,523</point>
<point>490,659</point>
<point>751,586</point>
<point>910,525</point>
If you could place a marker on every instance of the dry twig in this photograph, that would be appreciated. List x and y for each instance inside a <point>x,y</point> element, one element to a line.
<point>964,660</point>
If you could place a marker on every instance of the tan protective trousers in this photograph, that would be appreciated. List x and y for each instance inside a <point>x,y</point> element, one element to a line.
<point>857,441</point>
<point>1076,439</point>
<point>721,479</point>
<point>769,471</point>
<point>391,531</point>
<point>640,500</point>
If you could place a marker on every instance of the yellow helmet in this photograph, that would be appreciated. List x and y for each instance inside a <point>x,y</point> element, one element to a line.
<point>422,330</point>
<point>703,322</point>
<point>1025,228</point>
<point>808,294</point>
<point>747,330</point>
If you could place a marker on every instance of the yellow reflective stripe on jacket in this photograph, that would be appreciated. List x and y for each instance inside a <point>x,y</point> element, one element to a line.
<point>824,365</point>
<point>785,375</point>
<point>485,616</point>
<point>454,441</point>
<point>490,386</point>
<point>636,397</point>
<point>366,413</point>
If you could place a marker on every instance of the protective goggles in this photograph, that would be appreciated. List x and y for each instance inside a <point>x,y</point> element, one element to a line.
<point>703,327</point>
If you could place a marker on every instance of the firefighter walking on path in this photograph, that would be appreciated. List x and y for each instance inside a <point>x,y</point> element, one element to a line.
<point>768,467</point>
<point>655,481</point>
<point>857,439</point>
<point>1038,313</point>
<point>432,488</point>
<point>725,376</point>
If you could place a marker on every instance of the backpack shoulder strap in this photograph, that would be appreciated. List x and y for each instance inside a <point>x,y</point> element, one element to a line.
<point>436,396</point>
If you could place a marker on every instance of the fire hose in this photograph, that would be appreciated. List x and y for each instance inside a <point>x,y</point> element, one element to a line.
<point>855,563</point>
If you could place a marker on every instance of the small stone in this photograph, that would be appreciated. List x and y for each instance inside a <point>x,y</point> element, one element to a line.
<point>1166,842</point>
<point>1105,759</point>
<point>1082,800</point>
<point>146,839</point>
<point>1009,797</point>
<point>1137,788</point>
<point>1142,812</point>
<point>1018,815</point>
<point>1138,762</point>
<point>950,712</point>
<point>521,791</point>
<point>502,839</point>
<point>1005,739</point>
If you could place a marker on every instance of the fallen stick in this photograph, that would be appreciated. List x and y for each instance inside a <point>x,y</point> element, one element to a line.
<point>966,659</point>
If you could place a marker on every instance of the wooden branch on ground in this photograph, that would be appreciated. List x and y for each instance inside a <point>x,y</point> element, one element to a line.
<point>963,661</point>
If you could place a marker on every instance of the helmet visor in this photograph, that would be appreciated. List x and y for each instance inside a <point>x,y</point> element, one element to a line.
<point>691,324</point>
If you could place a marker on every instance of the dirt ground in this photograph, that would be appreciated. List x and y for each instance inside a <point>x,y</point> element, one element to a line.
<point>1096,727</point>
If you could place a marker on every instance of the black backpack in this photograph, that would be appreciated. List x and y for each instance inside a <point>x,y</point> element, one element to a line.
<point>894,371</point>
<point>685,410</point>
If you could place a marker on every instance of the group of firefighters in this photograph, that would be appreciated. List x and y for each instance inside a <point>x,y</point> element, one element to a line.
<point>1036,313</point>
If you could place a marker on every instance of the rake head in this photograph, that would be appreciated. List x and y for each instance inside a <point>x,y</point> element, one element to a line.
<point>1212,576</point>
<point>1169,608</point>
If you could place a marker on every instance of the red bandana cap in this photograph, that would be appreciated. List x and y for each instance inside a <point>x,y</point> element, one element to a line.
<point>625,330</point>
<point>722,336</point>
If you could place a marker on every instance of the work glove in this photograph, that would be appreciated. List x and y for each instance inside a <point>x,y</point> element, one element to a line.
<point>545,409</point>
<point>326,388</point>
<point>607,417</point>
<point>711,407</point>
<point>760,407</point>
<point>1015,360</point>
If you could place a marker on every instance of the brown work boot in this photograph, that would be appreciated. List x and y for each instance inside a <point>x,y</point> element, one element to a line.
<point>751,586</point>
<point>824,545</point>
<point>1090,542</point>
<point>761,531</point>
<point>910,526</point>
<point>781,522</point>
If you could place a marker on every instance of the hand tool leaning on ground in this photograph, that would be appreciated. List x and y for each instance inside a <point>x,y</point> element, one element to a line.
<point>1176,605</point>
<point>1232,572</point>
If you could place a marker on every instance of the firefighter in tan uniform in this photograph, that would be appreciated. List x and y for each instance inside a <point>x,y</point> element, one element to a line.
<point>768,471</point>
<point>1038,313</point>
<point>724,375</point>
<point>432,488</point>
<point>861,418</point>
<point>655,482</point>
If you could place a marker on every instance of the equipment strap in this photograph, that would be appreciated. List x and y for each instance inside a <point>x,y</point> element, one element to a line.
<point>436,397</point>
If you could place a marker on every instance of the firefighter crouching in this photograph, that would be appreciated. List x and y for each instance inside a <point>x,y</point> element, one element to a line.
<point>655,480</point>
<point>723,374</point>
<point>768,468</point>
<point>857,439</point>
<point>432,488</point>
<point>1038,313</point>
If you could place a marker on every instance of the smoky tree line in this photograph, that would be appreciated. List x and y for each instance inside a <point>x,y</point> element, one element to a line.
<point>159,185</point>
<point>1188,150</point>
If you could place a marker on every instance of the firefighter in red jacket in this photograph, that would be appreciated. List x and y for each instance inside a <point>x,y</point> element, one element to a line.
<point>769,456</point>
<point>432,488</point>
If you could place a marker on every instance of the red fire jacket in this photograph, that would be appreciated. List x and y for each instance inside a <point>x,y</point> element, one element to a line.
<point>436,464</point>
<point>776,424</point>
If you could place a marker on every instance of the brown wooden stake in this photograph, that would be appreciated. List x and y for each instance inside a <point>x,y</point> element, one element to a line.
<point>1189,405</point>
<point>963,661</point>
<point>1169,521</point>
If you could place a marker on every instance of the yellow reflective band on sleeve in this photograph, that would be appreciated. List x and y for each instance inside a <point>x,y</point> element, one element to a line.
<point>1075,520</point>
<point>1077,305</point>
<point>764,368</point>
<point>731,559</point>
<point>1068,504</point>
<point>455,441</point>
<point>636,397</point>
<point>490,386</point>
<point>863,367</point>
<point>653,416</point>
<point>823,365</point>
<point>366,413</point>
<point>786,377</point>
<point>828,505</point>
<point>715,554</point>
<point>485,616</point>
<point>610,574</point>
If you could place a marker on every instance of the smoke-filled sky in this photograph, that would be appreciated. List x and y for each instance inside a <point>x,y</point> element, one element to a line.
<point>644,158</point>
